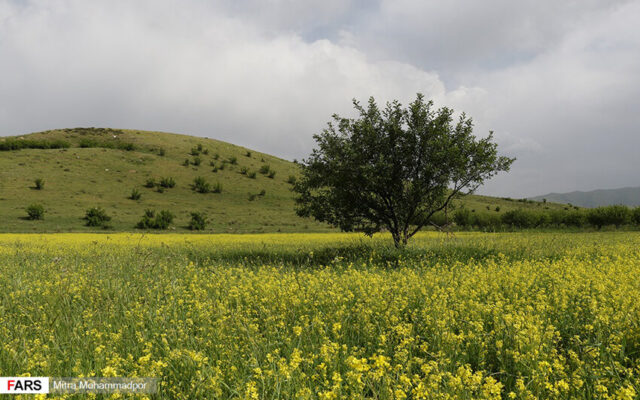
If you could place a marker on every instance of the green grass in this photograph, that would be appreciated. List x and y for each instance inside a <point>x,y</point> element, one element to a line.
<point>78,178</point>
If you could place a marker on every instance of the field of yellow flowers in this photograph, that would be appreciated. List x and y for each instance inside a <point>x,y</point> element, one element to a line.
<point>328,316</point>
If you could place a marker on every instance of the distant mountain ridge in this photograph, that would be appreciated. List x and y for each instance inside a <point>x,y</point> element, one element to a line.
<point>629,196</point>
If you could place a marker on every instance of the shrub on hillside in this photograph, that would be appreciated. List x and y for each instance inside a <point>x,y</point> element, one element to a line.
<point>292,180</point>
<point>217,188</point>
<point>35,212</point>
<point>233,160</point>
<point>168,182</point>
<point>197,161</point>
<point>162,152</point>
<point>19,144</point>
<point>186,162</point>
<point>150,183</point>
<point>151,220</point>
<point>200,185</point>
<point>265,169</point>
<point>97,216</point>
<point>135,194</point>
<point>252,175</point>
<point>198,221</point>
<point>271,174</point>
<point>39,184</point>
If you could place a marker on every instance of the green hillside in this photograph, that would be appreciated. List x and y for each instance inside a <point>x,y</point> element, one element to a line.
<point>100,167</point>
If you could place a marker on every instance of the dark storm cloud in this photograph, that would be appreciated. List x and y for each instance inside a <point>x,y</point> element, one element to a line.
<point>556,81</point>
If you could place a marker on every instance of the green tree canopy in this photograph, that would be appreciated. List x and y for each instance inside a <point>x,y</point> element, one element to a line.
<point>393,169</point>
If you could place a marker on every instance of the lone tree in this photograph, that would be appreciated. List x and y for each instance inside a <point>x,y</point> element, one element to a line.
<point>393,169</point>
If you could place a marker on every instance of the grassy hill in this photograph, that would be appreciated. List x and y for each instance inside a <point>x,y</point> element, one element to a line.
<point>91,167</point>
<point>629,196</point>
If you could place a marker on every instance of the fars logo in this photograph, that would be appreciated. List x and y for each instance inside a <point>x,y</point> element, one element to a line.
<point>24,384</point>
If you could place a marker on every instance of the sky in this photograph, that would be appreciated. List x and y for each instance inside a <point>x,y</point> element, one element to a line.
<point>557,81</point>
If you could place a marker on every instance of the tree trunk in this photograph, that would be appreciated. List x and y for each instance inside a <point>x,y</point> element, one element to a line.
<point>400,239</point>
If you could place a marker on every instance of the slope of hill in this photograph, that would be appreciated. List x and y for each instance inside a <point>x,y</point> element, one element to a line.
<point>91,167</point>
<point>629,196</point>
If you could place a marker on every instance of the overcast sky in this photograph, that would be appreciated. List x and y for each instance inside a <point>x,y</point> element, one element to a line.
<point>558,81</point>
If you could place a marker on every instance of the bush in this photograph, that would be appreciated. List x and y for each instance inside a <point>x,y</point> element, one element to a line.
<point>265,169</point>
<point>217,188</point>
<point>167,182</point>
<point>248,154</point>
<point>487,221</point>
<point>150,183</point>
<point>135,194</point>
<point>186,162</point>
<point>216,156</point>
<point>244,170</point>
<point>635,216</point>
<point>574,218</point>
<point>292,180</point>
<point>200,185</point>
<point>609,215</point>
<point>96,216</point>
<point>272,174</point>
<point>195,151</point>
<point>35,212</point>
<point>39,184</point>
<point>151,220</point>
<point>198,221</point>
<point>252,175</point>
<point>520,218</point>
<point>162,152</point>
<point>19,144</point>
<point>262,193</point>
<point>233,160</point>
<point>197,161</point>
<point>463,217</point>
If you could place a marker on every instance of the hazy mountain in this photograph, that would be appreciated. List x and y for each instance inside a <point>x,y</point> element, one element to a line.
<point>629,196</point>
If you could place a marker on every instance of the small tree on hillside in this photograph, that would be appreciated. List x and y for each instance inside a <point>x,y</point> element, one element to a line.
<point>393,169</point>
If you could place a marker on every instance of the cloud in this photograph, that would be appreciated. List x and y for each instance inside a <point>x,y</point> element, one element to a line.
<point>556,81</point>
<point>187,70</point>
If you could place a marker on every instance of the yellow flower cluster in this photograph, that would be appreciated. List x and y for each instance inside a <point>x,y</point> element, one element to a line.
<point>328,316</point>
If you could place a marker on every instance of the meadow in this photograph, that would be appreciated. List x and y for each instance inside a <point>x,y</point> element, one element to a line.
<point>101,167</point>
<point>327,315</point>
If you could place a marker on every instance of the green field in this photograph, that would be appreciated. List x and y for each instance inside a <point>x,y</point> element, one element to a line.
<point>328,316</point>
<point>78,178</point>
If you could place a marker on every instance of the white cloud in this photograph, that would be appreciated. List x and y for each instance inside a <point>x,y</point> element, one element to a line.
<point>556,81</point>
<point>73,64</point>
